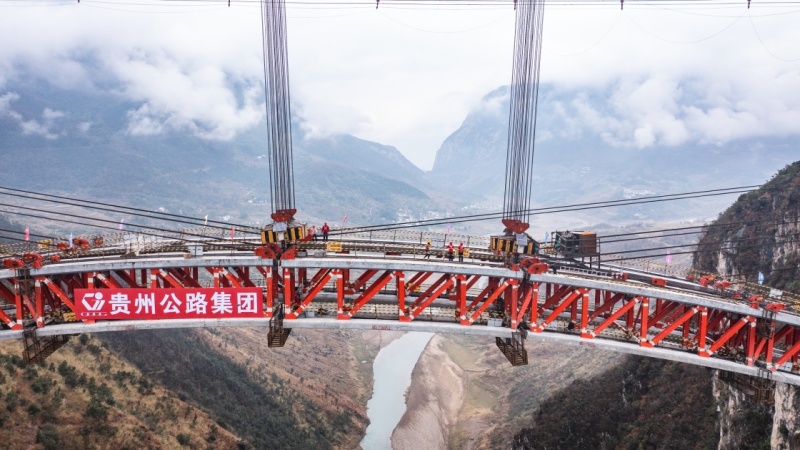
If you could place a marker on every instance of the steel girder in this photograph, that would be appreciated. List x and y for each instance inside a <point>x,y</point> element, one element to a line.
<point>752,337</point>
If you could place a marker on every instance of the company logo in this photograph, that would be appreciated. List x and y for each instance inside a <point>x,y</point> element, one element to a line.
<point>93,302</point>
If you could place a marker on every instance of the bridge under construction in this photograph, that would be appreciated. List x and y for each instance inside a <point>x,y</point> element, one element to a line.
<point>509,286</point>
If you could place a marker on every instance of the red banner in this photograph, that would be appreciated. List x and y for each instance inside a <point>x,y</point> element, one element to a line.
<point>188,303</point>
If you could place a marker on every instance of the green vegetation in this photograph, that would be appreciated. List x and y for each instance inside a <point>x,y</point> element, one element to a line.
<point>762,233</point>
<point>642,403</point>
<point>265,411</point>
<point>48,437</point>
<point>751,426</point>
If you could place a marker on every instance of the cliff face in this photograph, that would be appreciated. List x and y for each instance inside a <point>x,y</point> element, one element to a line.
<point>640,403</point>
<point>760,232</point>
<point>786,423</point>
<point>742,422</point>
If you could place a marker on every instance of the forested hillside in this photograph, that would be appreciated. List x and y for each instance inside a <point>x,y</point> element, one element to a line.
<point>206,388</point>
<point>759,233</point>
<point>274,398</point>
<point>86,397</point>
<point>641,403</point>
<point>646,403</point>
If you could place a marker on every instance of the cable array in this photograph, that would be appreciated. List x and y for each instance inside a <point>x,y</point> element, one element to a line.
<point>245,229</point>
<point>523,105</point>
<point>278,114</point>
<point>120,209</point>
<point>556,209</point>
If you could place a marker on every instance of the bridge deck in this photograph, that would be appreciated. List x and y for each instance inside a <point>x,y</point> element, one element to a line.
<point>680,321</point>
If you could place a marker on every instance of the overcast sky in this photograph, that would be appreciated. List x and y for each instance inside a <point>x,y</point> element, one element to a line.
<point>407,76</point>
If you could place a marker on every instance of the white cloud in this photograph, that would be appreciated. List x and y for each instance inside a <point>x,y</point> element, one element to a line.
<point>408,77</point>
<point>195,98</point>
<point>50,115</point>
<point>5,105</point>
<point>29,126</point>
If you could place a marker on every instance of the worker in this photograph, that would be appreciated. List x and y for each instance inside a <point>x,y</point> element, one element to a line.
<point>325,230</point>
<point>427,250</point>
<point>450,251</point>
<point>461,252</point>
<point>312,230</point>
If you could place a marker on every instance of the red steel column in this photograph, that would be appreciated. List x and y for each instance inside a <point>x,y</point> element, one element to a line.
<point>585,315</point>
<point>288,289</point>
<point>39,300</point>
<point>751,343</point>
<point>461,298</point>
<point>270,290</point>
<point>630,319</point>
<point>702,331</point>
<point>346,277</point>
<point>340,274</point>
<point>401,293</point>
<point>535,309</point>
<point>644,325</point>
<point>512,291</point>
<point>20,311</point>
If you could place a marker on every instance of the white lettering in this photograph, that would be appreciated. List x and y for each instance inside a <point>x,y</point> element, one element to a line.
<point>171,304</point>
<point>247,302</point>
<point>119,304</point>
<point>196,303</point>
<point>221,303</point>
<point>146,302</point>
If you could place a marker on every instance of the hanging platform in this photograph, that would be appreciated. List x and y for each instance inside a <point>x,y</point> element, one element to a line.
<point>38,349</point>
<point>278,335</point>
<point>514,349</point>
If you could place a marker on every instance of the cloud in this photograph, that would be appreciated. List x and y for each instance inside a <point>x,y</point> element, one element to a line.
<point>659,111</point>
<point>5,105</point>
<point>199,98</point>
<point>31,126</point>
<point>640,77</point>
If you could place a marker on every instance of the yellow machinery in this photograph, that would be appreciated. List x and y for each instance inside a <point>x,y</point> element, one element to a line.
<point>295,231</point>
<point>508,244</point>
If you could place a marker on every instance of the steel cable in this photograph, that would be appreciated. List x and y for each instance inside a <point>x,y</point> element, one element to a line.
<point>522,110</point>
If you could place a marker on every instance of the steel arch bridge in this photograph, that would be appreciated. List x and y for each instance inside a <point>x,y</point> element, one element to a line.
<point>386,284</point>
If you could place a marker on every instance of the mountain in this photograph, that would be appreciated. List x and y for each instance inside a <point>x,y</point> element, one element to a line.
<point>86,397</point>
<point>575,162</point>
<point>205,388</point>
<point>80,142</point>
<point>631,405</point>
<point>759,234</point>
<point>93,142</point>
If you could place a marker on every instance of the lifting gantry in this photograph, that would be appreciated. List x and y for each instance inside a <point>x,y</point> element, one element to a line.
<point>278,237</point>
<point>521,132</point>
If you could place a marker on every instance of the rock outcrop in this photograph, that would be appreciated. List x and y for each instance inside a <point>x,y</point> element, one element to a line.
<point>759,233</point>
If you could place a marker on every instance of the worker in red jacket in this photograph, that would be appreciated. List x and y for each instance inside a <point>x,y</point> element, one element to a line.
<point>450,251</point>
<point>461,252</point>
<point>325,230</point>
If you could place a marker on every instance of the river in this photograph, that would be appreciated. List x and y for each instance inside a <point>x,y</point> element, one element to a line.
<point>392,374</point>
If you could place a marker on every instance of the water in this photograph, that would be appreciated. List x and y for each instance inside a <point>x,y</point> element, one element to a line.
<point>392,372</point>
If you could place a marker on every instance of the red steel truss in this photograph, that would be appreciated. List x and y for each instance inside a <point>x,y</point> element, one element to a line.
<point>753,338</point>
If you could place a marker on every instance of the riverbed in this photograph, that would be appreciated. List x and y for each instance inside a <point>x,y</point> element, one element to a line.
<point>392,377</point>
